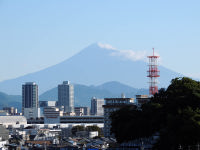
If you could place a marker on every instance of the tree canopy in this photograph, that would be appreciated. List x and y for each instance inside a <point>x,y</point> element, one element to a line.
<point>174,113</point>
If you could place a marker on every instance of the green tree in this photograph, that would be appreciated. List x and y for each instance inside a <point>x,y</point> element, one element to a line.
<point>174,113</point>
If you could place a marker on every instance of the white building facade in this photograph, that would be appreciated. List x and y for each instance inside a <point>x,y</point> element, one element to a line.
<point>13,120</point>
<point>31,113</point>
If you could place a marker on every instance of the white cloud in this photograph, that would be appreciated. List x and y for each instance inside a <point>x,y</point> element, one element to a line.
<point>130,55</point>
<point>106,46</point>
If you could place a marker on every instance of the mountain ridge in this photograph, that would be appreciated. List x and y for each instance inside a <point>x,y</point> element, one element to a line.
<point>93,65</point>
<point>82,93</point>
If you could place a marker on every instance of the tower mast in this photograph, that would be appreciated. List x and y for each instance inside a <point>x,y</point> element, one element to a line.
<point>153,74</point>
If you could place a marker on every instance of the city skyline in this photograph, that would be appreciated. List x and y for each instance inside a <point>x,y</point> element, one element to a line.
<point>49,31</point>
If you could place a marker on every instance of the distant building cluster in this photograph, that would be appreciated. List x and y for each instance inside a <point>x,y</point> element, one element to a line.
<point>46,121</point>
<point>52,111</point>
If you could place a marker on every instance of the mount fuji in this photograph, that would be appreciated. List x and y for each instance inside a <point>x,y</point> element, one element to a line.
<point>94,65</point>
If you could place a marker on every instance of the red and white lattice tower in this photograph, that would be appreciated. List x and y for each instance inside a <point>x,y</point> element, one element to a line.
<point>153,74</point>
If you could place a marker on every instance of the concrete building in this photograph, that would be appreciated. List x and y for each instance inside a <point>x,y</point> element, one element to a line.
<point>97,106</point>
<point>4,136</point>
<point>31,113</point>
<point>12,120</point>
<point>86,111</point>
<point>4,133</point>
<point>79,111</point>
<point>29,96</point>
<point>113,104</point>
<point>10,110</point>
<point>82,111</point>
<point>66,96</point>
<point>52,115</point>
<point>43,104</point>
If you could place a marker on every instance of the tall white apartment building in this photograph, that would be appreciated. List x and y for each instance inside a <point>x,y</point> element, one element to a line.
<point>66,96</point>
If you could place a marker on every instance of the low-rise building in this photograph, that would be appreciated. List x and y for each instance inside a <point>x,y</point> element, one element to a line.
<point>4,133</point>
<point>82,111</point>
<point>52,115</point>
<point>3,113</point>
<point>32,112</point>
<point>43,104</point>
<point>13,120</point>
<point>10,110</point>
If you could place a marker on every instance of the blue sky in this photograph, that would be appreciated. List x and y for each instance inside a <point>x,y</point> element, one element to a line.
<point>35,34</point>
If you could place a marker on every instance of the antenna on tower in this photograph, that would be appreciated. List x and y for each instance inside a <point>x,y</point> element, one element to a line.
<point>153,51</point>
<point>153,74</point>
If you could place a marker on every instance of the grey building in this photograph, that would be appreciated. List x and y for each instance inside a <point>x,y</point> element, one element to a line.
<point>97,106</point>
<point>86,111</point>
<point>82,111</point>
<point>66,96</point>
<point>29,95</point>
<point>113,104</point>
<point>4,133</point>
<point>43,104</point>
